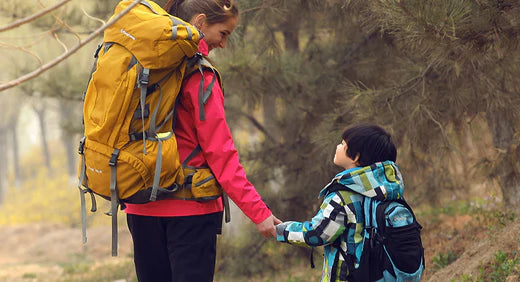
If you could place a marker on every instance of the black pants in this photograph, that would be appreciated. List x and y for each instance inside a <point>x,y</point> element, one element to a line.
<point>175,249</point>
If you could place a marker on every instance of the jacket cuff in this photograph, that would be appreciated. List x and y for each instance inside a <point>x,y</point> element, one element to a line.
<point>261,216</point>
<point>280,231</point>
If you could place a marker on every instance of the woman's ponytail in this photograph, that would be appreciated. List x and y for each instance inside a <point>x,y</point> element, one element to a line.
<point>172,7</point>
<point>216,11</point>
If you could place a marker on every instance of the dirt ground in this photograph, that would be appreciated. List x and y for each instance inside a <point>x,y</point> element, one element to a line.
<point>474,245</point>
<point>44,249</point>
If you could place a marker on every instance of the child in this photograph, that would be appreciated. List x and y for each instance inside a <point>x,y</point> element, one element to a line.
<point>368,156</point>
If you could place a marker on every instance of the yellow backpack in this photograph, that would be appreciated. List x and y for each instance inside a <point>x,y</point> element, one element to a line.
<point>129,151</point>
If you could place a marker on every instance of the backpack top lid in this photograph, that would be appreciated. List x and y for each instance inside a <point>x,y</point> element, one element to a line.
<point>156,39</point>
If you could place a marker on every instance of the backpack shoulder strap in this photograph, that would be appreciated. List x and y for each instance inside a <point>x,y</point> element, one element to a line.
<point>199,63</point>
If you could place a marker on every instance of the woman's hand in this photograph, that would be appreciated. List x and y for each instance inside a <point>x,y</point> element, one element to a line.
<point>267,227</point>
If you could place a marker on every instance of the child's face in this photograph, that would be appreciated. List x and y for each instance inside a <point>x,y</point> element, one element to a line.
<point>341,159</point>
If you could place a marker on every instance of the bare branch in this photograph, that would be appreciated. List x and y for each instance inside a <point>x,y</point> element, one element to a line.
<point>35,36</point>
<point>33,16</point>
<point>24,49</point>
<point>91,17</point>
<point>60,42</point>
<point>255,122</point>
<point>63,56</point>
<point>63,24</point>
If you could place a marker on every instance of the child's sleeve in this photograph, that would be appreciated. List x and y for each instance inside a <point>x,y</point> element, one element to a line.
<point>324,228</point>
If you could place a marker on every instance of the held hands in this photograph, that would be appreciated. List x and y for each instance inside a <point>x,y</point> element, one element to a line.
<point>267,227</point>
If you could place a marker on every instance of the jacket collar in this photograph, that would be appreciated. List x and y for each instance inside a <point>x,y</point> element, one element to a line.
<point>203,47</point>
<point>380,181</point>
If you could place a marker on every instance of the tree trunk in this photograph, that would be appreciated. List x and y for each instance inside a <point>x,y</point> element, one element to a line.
<point>16,152</point>
<point>3,162</point>
<point>501,126</point>
<point>67,136</point>
<point>43,136</point>
<point>269,112</point>
<point>290,29</point>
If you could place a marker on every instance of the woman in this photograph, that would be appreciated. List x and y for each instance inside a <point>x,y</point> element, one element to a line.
<point>175,240</point>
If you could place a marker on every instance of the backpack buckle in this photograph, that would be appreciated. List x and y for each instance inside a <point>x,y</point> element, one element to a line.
<point>372,231</point>
<point>113,158</point>
<point>194,60</point>
<point>144,77</point>
<point>81,147</point>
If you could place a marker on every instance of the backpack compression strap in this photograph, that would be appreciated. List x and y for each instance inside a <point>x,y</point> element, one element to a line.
<point>142,84</point>
<point>113,199</point>
<point>83,189</point>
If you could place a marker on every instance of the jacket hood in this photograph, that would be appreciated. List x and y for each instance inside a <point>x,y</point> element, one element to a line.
<point>381,181</point>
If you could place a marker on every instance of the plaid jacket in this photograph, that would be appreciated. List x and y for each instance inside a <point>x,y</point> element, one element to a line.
<point>341,216</point>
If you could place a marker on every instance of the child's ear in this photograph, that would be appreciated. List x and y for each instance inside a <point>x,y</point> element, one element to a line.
<point>356,159</point>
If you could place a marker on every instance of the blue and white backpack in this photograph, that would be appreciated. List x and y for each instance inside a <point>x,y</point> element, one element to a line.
<point>392,246</point>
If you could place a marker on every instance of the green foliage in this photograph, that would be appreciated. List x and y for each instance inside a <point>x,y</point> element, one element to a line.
<point>503,267</point>
<point>443,259</point>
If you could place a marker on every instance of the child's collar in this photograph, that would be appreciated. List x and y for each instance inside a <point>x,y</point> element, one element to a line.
<point>338,176</point>
<point>381,180</point>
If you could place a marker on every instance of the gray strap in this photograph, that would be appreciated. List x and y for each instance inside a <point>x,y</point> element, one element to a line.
<point>168,117</point>
<point>157,175</point>
<point>143,84</point>
<point>149,6</point>
<point>225,202</point>
<point>158,167</point>
<point>81,190</point>
<point>83,204</point>
<point>152,129</point>
<point>153,132</point>
<point>204,94</point>
<point>114,199</point>
<point>175,23</point>
<point>202,116</point>
<point>107,46</point>
<point>174,32</point>
<point>208,90</point>
<point>132,63</point>
<point>193,153</point>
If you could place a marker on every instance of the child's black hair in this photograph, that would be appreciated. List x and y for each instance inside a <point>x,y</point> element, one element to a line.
<point>371,142</point>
